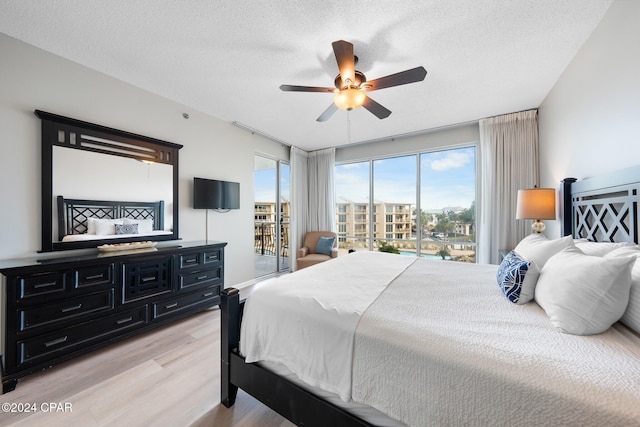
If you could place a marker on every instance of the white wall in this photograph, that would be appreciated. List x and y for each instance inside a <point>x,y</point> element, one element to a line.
<point>589,122</point>
<point>434,140</point>
<point>32,79</point>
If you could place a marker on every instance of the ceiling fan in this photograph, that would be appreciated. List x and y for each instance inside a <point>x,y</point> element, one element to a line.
<point>351,84</point>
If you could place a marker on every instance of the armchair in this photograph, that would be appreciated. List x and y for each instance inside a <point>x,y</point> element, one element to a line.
<point>308,254</point>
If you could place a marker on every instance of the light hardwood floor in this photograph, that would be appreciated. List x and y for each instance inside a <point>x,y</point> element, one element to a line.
<point>167,377</point>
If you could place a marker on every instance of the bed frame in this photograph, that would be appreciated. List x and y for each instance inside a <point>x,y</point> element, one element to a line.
<point>73,213</point>
<point>603,209</point>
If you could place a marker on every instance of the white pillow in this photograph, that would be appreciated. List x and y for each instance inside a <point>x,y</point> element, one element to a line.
<point>597,248</point>
<point>106,226</point>
<point>537,248</point>
<point>631,316</point>
<point>91,223</point>
<point>583,294</point>
<point>145,226</point>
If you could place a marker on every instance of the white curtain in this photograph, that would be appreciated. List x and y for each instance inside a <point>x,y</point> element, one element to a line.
<point>509,162</point>
<point>299,202</point>
<point>312,195</point>
<point>322,202</point>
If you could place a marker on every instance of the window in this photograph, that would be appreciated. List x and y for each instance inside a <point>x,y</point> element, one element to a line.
<point>440,223</point>
<point>447,196</point>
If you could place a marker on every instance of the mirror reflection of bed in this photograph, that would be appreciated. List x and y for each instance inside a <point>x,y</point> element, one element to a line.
<point>87,220</point>
<point>85,175</point>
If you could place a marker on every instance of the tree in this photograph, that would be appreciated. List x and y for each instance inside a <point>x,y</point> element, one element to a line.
<point>424,218</point>
<point>388,247</point>
<point>444,224</point>
<point>468,216</point>
<point>443,252</point>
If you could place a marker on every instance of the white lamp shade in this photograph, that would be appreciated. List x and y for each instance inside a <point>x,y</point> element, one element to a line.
<point>536,203</point>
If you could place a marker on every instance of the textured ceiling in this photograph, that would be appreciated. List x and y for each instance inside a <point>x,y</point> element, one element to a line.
<point>227,58</point>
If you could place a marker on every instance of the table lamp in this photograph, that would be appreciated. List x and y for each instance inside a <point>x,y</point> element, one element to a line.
<point>536,203</point>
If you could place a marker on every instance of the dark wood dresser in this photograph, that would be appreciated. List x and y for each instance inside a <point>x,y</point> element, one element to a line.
<point>54,309</point>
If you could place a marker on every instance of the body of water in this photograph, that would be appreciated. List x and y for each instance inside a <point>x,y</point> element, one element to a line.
<point>428,256</point>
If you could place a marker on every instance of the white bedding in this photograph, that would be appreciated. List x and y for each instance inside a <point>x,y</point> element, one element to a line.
<point>443,339</point>
<point>88,237</point>
<point>440,345</point>
<point>306,321</point>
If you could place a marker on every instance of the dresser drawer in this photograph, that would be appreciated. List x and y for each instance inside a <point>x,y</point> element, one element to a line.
<point>47,346</point>
<point>145,279</point>
<point>41,284</point>
<point>207,296</point>
<point>98,275</point>
<point>200,278</point>
<point>33,317</point>
<point>205,258</point>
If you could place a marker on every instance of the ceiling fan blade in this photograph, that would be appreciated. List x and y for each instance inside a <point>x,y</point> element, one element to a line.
<point>402,78</point>
<point>345,59</point>
<point>327,113</point>
<point>293,88</point>
<point>378,110</point>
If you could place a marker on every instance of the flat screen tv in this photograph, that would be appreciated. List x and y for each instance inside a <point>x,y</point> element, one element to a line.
<point>215,194</point>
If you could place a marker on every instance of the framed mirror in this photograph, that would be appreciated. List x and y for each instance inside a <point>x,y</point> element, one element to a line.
<point>103,186</point>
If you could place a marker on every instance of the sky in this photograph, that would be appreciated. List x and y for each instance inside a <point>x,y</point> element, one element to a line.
<point>448,179</point>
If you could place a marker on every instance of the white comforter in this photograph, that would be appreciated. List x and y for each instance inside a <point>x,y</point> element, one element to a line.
<point>449,349</point>
<point>440,346</point>
<point>306,321</point>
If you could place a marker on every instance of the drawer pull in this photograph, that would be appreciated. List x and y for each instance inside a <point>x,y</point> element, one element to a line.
<point>55,342</point>
<point>148,279</point>
<point>190,260</point>
<point>202,277</point>
<point>121,321</point>
<point>44,285</point>
<point>95,276</point>
<point>67,309</point>
<point>175,304</point>
<point>208,294</point>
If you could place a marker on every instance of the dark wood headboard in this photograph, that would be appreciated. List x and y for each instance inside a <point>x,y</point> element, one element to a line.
<point>602,208</point>
<point>73,213</point>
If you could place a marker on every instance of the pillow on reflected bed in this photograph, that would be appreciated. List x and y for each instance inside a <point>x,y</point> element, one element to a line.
<point>103,226</point>
<point>126,229</point>
<point>584,294</point>
<point>145,226</point>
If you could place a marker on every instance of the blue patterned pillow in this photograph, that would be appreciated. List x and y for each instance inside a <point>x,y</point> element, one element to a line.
<point>126,228</point>
<point>517,278</point>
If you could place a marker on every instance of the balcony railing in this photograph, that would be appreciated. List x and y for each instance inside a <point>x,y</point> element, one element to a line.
<point>265,238</point>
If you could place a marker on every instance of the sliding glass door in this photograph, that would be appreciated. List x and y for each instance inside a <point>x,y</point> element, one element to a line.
<point>271,216</point>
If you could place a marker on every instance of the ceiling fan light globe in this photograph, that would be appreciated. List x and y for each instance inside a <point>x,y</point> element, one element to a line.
<point>350,98</point>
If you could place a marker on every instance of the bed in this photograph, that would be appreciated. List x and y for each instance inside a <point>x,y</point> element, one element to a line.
<point>381,339</point>
<point>82,220</point>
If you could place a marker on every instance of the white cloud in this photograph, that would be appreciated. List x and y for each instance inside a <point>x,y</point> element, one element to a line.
<point>453,160</point>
